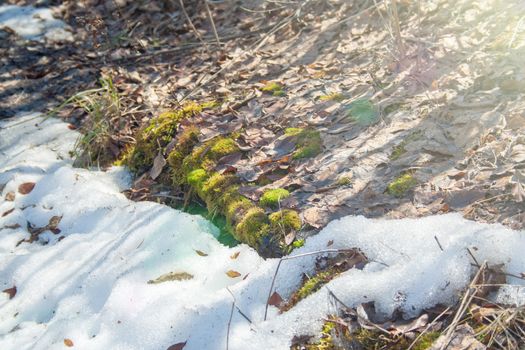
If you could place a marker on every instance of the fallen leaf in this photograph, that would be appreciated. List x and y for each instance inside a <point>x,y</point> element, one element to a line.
<point>10,291</point>
<point>8,212</point>
<point>289,238</point>
<point>68,343</point>
<point>172,276</point>
<point>330,242</point>
<point>235,255</point>
<point>10,196</point>
<point>158,164</point>
<point>12,227</point>
<point>200,252</point>
<point>26,187</point>
<point>275,300</point>
<point>178,346</point>
<point>233,274</point>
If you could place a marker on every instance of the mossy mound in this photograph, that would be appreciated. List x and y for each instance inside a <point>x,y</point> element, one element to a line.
<point>333,335</point>
<point>193,170</point>
<point>272,198</point>
<point>153,138</point>
<point>285,221</point>
<point>308,141</point>
<point>273,88</point>
<point>253,227</point>
<point>401,185</point>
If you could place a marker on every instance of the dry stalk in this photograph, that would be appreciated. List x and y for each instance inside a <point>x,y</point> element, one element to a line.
<point>465,302</point>
<point>190,23</point>
<point>210,17</point>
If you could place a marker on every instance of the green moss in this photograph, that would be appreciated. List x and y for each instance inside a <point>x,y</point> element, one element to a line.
<point>285,221</point>
<point>335,96</point>
<point>222,147</point>
<point>236,210</point>
<point>253,227</point>
<point>271,198</point>
<point>401,185</point>
<point>309,144</point>
<point>292,131</point>
<point>315,283</point>
<point>298,243</point>
<point>197,177</point>
<point>155,136</point>
<point>344,181</point>
<point>426,341</point>
<point>184,146</point>
<point>399,150</point>
<point>273,88</point>
<point>326,341</point>
<point>365,339</point>
<point>214,189</point>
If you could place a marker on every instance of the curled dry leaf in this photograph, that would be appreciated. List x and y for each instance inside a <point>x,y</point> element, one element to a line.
<point>171,276</point>
<point>10,291</point>
<point>233,274</point>
<point>178,346</point>
<point>26,187</point>
<point>235,255</point>
<point>8,212</point>
<point>68,342</point>
<point>200,252</point>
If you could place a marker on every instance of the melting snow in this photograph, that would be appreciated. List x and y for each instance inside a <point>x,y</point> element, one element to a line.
<point>91,286</point>
<point>33,23</point>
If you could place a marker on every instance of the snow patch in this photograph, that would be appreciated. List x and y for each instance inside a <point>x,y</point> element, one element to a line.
<point>34,23</point>
<point>91,285</point>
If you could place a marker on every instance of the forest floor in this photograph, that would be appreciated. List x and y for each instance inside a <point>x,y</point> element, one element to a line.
<point>429,124</point>
<point>352,108</point>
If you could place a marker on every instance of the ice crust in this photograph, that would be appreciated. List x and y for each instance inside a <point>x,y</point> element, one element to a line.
<point>33,23</point>
<point>91,286</point>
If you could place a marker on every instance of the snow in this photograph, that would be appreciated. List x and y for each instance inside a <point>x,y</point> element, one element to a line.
<point>33,23</point>
<point>91,285</point>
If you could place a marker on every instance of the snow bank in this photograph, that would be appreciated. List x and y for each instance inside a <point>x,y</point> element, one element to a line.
<point>33,23</point>
<point>88,283</point>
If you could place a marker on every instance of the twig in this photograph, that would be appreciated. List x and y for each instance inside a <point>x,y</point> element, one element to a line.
<point>467,299</point>
<point>210,17</point>
<point>237,307</point>
<point>428,327</point>
<point>473,257</point>
<point>293,257</point>
<point>192,26</point>
<point>439,244</point>
<point>229,324</point>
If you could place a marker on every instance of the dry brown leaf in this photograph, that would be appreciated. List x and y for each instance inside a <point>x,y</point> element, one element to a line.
<point>171,276</point>
<point>158,164</point>
<point>289,238</point>
<point>200,252</point>
<point>178,346</point>
<point>8,212</point>
<point>26,187</point>
<point>275,300</point>
<point>233,274</point>
<point>68,343</point>
<point>10,196</point>
<point>10,291</point>
<point>235,255</point>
